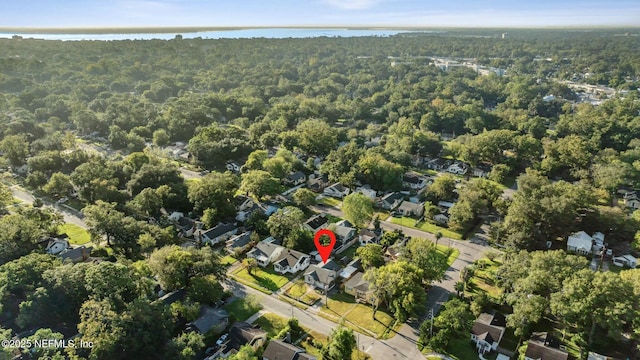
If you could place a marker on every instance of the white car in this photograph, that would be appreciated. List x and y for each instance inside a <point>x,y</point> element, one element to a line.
<point>221,339</point>
<point>63,200</point>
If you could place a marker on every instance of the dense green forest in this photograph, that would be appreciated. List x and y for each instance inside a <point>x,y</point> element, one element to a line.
<point>324,98</point>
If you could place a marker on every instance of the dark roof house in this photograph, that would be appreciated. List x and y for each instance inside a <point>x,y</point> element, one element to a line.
<point>317,222</point>
<point>215,320</point>
<point>544,346</point>
<point>242,333</point>
<point>280,350</point>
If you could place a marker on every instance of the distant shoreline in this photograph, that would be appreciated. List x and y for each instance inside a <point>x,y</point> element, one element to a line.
<point>176,30</point>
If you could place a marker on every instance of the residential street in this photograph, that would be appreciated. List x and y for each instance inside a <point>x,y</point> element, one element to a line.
<point>402,346</point>
<point>70,215</point>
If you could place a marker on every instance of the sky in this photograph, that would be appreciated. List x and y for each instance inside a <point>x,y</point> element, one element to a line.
<point>422,13</point>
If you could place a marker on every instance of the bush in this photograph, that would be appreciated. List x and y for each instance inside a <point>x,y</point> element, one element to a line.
<point>492,255</point>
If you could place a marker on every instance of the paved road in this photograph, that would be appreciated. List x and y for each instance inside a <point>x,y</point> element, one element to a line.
<point>71,216</point>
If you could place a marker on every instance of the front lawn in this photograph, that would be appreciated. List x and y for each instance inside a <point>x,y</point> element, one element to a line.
<point>358,316</point>
<point>77,235</point>
<point>227,260</point>
<point>242,309</point>
<point>329,201</point>
<point>484,277</point>
<point>461,348</point>
<point>301,292</point>
<point>271,323</point>
<point>426,226</point>
<point>265,280</point>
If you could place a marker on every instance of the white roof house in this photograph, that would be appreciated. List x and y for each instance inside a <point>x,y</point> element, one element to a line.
<point>625,260</point>
<point>580,243</point>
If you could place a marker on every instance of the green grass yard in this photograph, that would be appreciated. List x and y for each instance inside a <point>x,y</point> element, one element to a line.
<point>484,278</point>
<point>227,260</point>
<point>77,235</point>
<point>329,201</point>
<point>271,323</point>
<point>265,280</point>
<point>242,309</point>
<point>425,226</point>
<point>359,316</point>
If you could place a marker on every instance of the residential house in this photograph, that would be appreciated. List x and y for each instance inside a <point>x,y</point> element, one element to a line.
<point>393,252</point>
<point>280,350</point>
<point>238,243</point>
<point>458,168</point>
<point>291,261</point>
<point>240,334</point>
<point>295,179</point>
<point>233,166</point>
<point>217,234</point>
<point>318,183</point>
<point>481,170</point>
<point>632,200</point>
<point>367,191</point>
<point>445,205</point>
<point>185,226</point>
<point>265,252</point>
<point>57,245</point>
<point>544,346</point>
<point>351,269</point>
<point>438,164</point>
<point>414,181</point>
<point>391,200</point>
<point>243,202</point>
<point>76,255</point>
<point>407,208</point>
<point>487,331</point>
<point>322,276</point>
<point>358,287</point>
<point>441,219</point>
<point>344,231</point>
<point>625,260</point>
<point>336,190</point>
<point>580,243</point>
<point>367,236</point>
<point>316,223</point>
<point>214,320</point>
<point>176,295</point>
<point>375,141</point>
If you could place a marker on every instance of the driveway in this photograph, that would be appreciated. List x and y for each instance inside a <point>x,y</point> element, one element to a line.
<point>189,174</point>
<point>70,215</point>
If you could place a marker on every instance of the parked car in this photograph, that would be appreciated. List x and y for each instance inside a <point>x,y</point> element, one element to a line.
<point>221,339</point>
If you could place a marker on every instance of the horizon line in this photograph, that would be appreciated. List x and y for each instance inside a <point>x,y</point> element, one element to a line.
<point>196,29</point>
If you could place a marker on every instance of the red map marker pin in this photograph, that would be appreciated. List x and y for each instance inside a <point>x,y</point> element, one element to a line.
<point>325,251</point>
